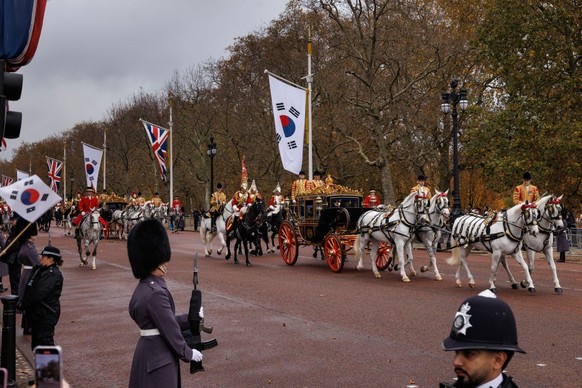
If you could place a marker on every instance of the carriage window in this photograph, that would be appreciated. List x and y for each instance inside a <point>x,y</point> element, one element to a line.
<point>309,207</point>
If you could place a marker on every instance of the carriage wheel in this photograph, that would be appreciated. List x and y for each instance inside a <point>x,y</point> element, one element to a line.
<point>288,243</point>
<point>334,252</point>
<point>384,257</point>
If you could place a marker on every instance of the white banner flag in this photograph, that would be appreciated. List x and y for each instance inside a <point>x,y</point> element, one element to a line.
<point>289,111</point>
<point>21,175</point>
<point>92,164</point>
<point>29,197</point>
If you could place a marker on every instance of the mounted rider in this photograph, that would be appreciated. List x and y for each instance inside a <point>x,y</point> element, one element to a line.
<point>276,202</point>
<point>526,192</point>
<point>420,186</point>
<point>240,200</point>
<point>371,200</point>
<point>156,200</point>
<point>176,205</point>
<point>87,204</point>
<point>217,201</point>
<point>254,193</point>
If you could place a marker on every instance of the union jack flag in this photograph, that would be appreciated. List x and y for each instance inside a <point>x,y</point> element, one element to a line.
<point>158,138</point>
<point>55,170</point>
<point>6,180</point>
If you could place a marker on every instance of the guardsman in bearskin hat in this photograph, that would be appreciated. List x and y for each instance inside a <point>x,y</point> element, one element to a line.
<point>217,200</point>
<point>421,187</point>
<point>484,339</point>
<point>299,186</point>
<point>371,199</point>
<point>87,204</point>
<point>152,308</point>
<point>526,191</point>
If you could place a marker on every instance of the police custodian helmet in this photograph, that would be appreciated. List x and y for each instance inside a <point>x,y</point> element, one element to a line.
<point>483,322</point>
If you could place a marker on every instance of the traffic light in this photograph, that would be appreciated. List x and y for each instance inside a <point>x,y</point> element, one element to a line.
<point>10,90</point>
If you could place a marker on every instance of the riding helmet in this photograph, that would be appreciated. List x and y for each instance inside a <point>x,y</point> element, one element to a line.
<point>483,322</point>
<point>526,176</point>
<point>421,178</point>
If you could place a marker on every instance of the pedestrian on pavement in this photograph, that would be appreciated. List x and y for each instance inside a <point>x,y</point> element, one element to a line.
<point>40,299</point>
<point>3,266</point>
<point>562,243</point>
<point>484,339</point>
<point>161,345</point>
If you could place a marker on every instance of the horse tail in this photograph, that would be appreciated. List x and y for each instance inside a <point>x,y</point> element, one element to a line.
<point>357,247</point>
<point>456,253</point>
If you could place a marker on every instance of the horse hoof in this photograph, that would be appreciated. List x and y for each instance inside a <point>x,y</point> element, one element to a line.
<point>396,267</point>
<point>249,265</point>
<point>523,284</point>
<point>532,290</point>
<point>413,273</point>
<point>390,268</point>
<point>207,254</point>
<point>219,252</point>
<point>558,290</point>
<point>93,267</point>
<point>458,285</point>
<point>377,275</point>
<point>424,268</point>
<point>471,284</point>
<point>493,290</point>
<point>405,279</point>
<point>438,277</point>
<point>514,286</point>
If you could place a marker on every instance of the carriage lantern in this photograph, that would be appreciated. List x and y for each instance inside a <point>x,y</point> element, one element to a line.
<point>318,203</point>
<point>286,204</point>
<point>453,98</point>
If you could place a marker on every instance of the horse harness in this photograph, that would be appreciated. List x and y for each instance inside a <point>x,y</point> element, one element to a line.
<point>553,210</point>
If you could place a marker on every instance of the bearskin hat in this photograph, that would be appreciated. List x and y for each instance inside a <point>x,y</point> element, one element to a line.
<point>148,246</point>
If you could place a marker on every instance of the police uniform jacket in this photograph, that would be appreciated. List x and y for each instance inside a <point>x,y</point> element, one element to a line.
<point>28,257</point>
<point>41,295</point>
<point>156,358</point>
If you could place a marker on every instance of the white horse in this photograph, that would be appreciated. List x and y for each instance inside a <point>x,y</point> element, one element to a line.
<point>207,235</point>
<point>90,232</point>
<point>498,236</point>
<point>117,223</point>
<point>397,227</point>
<point>161,213</point>
<point>429,235</point>
<point>133,215</point>
<point>550,220</point>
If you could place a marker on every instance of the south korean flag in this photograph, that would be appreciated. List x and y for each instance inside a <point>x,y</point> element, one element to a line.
<point>289,113</point>
<point>29,197</point>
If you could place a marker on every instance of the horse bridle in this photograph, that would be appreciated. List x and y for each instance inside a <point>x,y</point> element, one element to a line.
<point>525,209</point>
<point>551,208</point>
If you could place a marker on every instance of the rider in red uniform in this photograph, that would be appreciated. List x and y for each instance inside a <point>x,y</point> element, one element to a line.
<point>87,204</point>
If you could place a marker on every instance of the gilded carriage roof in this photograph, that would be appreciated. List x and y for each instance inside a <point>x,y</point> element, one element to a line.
<point>331,188</point>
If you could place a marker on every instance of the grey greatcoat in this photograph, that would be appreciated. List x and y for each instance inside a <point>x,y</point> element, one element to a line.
<point>156,358</point>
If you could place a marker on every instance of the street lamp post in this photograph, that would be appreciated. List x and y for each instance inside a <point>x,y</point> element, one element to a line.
<point>211,154</point>
<point>453,98</point>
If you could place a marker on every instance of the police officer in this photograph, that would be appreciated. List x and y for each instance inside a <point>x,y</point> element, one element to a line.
<point>484,339</point>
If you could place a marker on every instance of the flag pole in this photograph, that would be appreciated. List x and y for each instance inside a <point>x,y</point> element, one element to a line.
<point>104,159</point>
<point>65,171</point>
<point>171,156</point>
<point>309,128</point>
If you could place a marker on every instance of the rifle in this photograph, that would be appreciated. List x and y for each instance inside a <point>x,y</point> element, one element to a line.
<point>192,335</point>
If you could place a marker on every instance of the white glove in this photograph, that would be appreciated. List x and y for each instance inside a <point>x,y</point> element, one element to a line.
<point>235,208</point>
<point>201,313</point>
<point>82,213</point>
<point>196,355</point>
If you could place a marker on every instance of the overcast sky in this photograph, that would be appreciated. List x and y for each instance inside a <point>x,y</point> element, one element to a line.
<point>95,53</point>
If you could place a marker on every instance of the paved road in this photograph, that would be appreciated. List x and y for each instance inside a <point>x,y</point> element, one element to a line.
<point>304,326</point>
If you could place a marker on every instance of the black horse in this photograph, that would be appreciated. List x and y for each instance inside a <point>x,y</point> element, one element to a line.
<point>246,230</point>
<point>44,221</point>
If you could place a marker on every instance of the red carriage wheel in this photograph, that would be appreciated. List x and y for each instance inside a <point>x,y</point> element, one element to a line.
<point>334,252</point>
<point>288,243</point>
<point>384,257</point>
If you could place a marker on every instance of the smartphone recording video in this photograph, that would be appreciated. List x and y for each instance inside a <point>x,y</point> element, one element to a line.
<point>3,377</point>
<point>48,365</point>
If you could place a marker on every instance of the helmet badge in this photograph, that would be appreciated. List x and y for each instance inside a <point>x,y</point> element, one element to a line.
<point>461,322</point>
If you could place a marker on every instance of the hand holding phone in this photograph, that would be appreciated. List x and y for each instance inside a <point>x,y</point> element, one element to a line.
<point>48,366</point>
